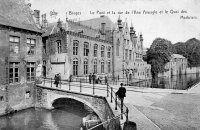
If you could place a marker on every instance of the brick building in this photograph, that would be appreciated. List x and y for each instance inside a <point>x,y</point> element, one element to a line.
<point>74,49</point>
<point>94,46</point>
<point>20,53</point>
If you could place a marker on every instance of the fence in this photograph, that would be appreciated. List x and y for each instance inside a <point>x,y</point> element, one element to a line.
<point>110,94</point>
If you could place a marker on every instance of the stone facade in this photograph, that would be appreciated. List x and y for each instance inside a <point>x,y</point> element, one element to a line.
<point>123,60</point>
<point>177,66</point>
<point>128,54</point>
<point>17,52</point>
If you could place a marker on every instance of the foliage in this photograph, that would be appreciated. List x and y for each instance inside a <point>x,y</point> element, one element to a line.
<point>158,55</point>
<point>190,50</point>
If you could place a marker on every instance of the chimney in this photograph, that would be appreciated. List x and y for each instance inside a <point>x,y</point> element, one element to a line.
<point>103,25</point>
<point>44,21</point>
<point>119,22</point>
<point>59,25</point>
<point>37,16</point>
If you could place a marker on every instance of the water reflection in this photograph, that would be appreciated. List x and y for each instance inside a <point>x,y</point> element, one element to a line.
<point>62,118</point>
<point>181,82</point>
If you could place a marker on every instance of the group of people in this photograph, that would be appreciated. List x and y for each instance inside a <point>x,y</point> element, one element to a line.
<point>121,93</point>
<point>95,78</point>
<point>57,79</point>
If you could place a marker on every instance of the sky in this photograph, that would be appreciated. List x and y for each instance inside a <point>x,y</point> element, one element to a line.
<point>153,18</point>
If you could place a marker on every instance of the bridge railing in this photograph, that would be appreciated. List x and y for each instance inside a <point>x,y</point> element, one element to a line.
<point>118,105</point>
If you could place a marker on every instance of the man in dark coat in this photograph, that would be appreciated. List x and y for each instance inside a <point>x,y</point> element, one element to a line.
<point>121,93</point>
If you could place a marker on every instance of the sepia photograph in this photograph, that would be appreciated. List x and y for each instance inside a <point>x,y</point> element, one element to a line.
<point>99,65</point>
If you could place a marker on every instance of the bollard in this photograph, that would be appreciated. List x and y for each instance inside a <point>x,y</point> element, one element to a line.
<point>60,83</point>
<point>51,82</point>
<point>111,95</point>
<point>108,120</point>
<point>69,84</point>
<point>122,109</point>
<point>107,91</point>
<point>80,86</point>
<point>115,101</point>
<point>126,114</point>
<point>93,88</point>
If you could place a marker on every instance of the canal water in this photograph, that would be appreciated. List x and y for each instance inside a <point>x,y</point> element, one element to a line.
<point>62,118</point>
<point>180,82</point>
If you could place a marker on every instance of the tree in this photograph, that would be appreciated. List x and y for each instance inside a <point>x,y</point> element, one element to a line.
<point>190,50</point>
<point>158,55</point>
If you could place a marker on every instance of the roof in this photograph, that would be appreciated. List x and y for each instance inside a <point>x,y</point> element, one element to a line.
<point>178,56</point>
<point>72,26</point>
<point>96,22</point>
<point>15,13</point>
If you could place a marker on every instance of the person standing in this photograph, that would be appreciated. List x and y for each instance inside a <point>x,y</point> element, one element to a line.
<point>56,78</point>
<point>121,93</point>
<point>94,78</point>
<point>90,78</point>
<point>106,80</point>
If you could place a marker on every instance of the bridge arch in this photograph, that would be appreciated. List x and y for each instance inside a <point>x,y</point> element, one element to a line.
<point>54,98</point>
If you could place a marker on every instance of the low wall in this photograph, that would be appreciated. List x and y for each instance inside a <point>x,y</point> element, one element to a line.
<point>16,97</point>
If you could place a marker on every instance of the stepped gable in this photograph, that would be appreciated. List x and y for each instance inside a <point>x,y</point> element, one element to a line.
<point>96,22</point>
<point>15,13</point>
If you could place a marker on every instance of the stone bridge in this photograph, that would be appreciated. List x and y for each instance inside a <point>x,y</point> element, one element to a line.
<point>46,96</point>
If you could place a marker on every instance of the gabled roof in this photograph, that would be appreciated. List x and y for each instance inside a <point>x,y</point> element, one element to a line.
<point>178,56</point>
<point>15,13</point>
<point>96,22</point>
<point>72,26</point>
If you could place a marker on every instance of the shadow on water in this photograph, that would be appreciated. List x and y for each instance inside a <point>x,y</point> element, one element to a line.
<point>180,82</point>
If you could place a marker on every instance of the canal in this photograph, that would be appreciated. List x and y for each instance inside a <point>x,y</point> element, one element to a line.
<point>180,82</point>
<point>64,117</point>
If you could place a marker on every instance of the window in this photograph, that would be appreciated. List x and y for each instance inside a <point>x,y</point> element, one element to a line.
<point>14,72</point>
<point>58,46</point>
<point>14,44</point>
<point>31,46</point>
<point>130,52</point>
<point>109,52</point>
<point>117,48</point>
<point>102,66</point>
<point>126,54</point>
<point>75,67</point>
<point>27,94</point>
<point>30,71</point>
<point>86,49</point>
<point>85,66</point>
<point>95,66</point>
<point>95,50</point>
<point>1,98</point>
<point>44,47</point>
<point>102,51</point>
<point>109,67</point>
<point>133,55</point>
<point>75,48</point>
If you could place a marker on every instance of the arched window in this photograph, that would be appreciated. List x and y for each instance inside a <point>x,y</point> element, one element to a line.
<point>95,50</point>
<point>75,67</point>
<point>95,66</point>
<point>85,66</point>
<point>109,52</point>
<point>58,46</point>
<point>75,47</point>
<point>109,67</point>
<point>102,66</point>
<point>117,48</point>
<point>86,49</point>
<point>102,51</point>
